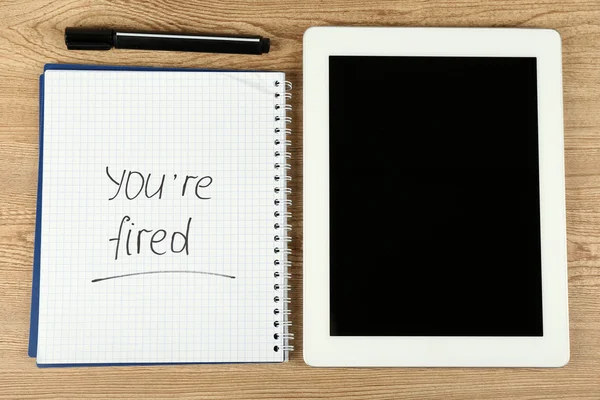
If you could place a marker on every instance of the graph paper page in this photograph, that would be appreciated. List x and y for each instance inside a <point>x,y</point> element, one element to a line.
<point>157,240</point>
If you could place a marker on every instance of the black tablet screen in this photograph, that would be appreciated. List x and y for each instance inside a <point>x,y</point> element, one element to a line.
<point>434,197</point>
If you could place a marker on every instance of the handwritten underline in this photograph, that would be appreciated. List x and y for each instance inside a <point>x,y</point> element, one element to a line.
<point>163,272</point>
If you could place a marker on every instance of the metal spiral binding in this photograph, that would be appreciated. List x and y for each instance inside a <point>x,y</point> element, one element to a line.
<point>281,238</point>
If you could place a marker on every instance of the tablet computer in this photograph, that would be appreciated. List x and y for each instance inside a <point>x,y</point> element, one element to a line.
<point>434,199</point>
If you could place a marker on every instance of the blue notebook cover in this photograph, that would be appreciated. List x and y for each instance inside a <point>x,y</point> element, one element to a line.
<point>35,291</point>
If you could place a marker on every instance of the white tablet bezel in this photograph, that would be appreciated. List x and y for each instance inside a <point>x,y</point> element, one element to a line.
<point>321,349</point>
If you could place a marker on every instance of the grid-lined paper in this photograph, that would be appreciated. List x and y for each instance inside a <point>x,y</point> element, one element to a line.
<point>178,125</point>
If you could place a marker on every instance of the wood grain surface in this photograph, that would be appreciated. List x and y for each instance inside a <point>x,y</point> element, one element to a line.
<point>31,34</point>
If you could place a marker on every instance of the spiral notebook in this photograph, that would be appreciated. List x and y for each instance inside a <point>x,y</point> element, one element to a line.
<point>162,230</point>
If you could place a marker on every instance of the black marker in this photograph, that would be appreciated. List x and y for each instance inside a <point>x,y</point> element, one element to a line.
<point>105,39</point>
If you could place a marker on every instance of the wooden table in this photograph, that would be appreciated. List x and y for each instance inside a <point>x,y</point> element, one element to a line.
<point>31,34</point>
